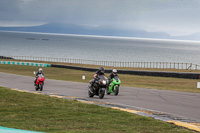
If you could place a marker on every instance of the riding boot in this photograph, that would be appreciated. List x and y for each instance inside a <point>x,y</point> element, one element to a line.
<point>35,82</point>
<point>92,85</point>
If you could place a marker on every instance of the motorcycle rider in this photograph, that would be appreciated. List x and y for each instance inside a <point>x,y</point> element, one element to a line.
<point>40,71</point>
<point>98,73</point>
<point>112,74</point>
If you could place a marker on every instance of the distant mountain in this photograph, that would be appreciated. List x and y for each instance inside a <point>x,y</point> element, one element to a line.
<point>97,30</point>
<point>195,37</point>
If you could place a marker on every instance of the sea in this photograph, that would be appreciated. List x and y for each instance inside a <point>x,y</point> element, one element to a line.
<point>98,48</point>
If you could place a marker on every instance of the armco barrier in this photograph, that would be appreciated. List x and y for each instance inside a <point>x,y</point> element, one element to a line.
<point>25,63</point>
<point>4,57</point>
<point>134,72</point>
<point>157,65</point>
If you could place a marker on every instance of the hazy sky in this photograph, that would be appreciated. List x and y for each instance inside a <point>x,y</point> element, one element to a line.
<point>176,17</point>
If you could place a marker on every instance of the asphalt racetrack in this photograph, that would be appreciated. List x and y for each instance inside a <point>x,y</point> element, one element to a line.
<point>186,105</point>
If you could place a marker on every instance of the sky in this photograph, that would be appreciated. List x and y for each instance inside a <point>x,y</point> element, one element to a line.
<point>175,17</point>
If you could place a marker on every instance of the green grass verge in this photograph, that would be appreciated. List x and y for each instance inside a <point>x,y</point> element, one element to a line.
<point>162,83</point>
<point>34,112</point>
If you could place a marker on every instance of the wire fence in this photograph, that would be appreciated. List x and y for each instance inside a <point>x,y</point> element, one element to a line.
<point>160,65</point>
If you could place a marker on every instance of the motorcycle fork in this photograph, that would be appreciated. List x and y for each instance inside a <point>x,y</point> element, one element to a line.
<point>115,87</point>
<point>111,87</point>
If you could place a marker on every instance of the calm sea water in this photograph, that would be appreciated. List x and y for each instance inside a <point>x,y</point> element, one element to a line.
<point>98,48</point>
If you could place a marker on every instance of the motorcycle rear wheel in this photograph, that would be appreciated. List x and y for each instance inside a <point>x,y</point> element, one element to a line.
<point>108,93</point>
<point>90,94</point>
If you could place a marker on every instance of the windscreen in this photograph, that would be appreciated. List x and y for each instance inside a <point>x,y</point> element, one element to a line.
<point>41,76</point>
<point>116,77</point>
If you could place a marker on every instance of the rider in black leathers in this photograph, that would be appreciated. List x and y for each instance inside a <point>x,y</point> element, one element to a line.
<point>98,73</point>
<point>112,75</point>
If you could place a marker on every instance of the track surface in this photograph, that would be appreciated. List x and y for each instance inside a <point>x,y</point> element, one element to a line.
<point>186,105</point>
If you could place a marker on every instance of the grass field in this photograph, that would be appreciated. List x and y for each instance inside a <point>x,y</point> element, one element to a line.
<point>43,113</point>
<point>174,84</point>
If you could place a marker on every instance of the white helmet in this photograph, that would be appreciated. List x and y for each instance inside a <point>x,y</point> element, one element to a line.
<point>40,70</point>
<point>114,71</point>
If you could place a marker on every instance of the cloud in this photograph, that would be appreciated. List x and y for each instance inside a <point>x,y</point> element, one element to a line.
<point>172,16</point>
<point>74,10</point>
<point>183,19</point>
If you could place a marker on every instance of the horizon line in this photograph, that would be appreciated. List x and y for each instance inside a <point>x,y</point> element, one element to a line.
<point>101,36</point>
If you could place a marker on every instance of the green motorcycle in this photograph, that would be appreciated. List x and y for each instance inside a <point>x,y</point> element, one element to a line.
<point>114,86</point>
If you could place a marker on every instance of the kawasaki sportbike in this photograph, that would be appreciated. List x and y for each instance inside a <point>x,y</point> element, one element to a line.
<point>114,86</point>
<point>99,87</point>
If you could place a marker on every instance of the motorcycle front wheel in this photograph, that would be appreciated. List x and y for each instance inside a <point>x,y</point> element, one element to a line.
<point>101,94</point>
<point>41,87</point>
<point>116,91</point>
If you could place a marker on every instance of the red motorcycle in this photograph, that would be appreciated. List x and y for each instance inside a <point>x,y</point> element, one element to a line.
<point>40,82</point>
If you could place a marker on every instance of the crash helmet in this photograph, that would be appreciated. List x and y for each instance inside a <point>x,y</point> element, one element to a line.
<point>114,71</point>
<point>40,70</point>
<point>101,69</point>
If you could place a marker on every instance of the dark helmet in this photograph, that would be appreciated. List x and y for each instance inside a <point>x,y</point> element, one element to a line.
<point>101,69</point>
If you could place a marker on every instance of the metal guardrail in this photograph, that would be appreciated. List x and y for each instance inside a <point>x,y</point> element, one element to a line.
<point>161,65</point>
<point>186,75</point>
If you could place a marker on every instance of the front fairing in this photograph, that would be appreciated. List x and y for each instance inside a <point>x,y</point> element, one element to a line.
<point>116,82</point>
<point>103,81</point>
<point>113,84</point>
<point>40,79</point>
